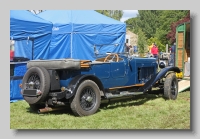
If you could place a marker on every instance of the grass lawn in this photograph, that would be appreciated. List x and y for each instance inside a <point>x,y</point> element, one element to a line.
<point>142,112</point>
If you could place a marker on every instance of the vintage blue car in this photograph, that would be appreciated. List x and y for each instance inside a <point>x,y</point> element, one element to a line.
<point>84,84</point>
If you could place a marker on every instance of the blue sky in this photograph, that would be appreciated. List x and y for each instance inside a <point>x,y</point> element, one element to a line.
<point>128,14</point>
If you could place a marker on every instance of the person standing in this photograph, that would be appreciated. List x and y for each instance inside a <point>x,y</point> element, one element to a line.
<point>12,43</point>
<point>131,50</point>
<point>155,51</point>
<point>127,47</point>
<point>135,49</point>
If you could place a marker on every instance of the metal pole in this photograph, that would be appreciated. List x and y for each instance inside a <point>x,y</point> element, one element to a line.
<point>32,49</point>
<point>72,31</point>
<point>166,48</point>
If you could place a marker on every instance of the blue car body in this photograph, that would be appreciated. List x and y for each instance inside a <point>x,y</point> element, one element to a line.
<point>84,84</point>
<point>116,74</point>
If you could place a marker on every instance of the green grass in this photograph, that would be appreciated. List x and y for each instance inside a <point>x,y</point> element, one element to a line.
<point>143,112</point>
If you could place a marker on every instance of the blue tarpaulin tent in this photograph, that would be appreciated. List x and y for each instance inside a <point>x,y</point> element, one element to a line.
<point>31,33</point>
<point>75,32</point>
<point>24,24</point>
<point>60,34</point>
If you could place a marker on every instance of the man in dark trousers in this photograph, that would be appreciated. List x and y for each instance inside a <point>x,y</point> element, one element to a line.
<point>172,55</point>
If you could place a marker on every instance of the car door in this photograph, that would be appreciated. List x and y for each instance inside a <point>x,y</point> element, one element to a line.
<point>117,69</point>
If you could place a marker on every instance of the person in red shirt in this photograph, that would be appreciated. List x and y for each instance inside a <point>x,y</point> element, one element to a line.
<point>11,55</point>
<point>155,51</point>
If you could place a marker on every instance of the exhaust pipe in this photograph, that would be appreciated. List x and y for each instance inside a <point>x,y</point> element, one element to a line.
<point>48,109</point>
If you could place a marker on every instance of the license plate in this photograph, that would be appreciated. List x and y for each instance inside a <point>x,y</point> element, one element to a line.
<point>30,92</point>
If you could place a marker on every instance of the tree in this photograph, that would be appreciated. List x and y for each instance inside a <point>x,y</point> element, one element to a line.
<point>115,14</point>
<point>161,47</point>
<point>104,12</point>
<point>156,23</point>
<point>148,21</point>
<point>172,34</point>
<point>142,44</point>
<point>165,20</point>
<point>131,24</point>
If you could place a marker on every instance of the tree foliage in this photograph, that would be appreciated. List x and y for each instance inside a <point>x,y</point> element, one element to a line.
<point>166,19</point>
<point>115,14</point>
<point>148,22</point>
<point>131,24</point>
<point>157,25</point>
<point>155,40</point>
<point>142,44</point>
<point>172,34</point>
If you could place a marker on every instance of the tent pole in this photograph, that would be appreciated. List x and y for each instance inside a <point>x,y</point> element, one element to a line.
<point>71,44</point>
<point>32,48</point>
<point>71,34</point>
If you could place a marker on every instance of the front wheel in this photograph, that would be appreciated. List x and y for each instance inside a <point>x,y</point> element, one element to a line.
<point>171,87</point>
<point>87,99</point>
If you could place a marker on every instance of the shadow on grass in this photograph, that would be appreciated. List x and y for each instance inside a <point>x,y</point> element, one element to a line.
<point>134,101</point>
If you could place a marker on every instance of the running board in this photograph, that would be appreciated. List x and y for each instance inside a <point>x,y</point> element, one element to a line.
<point>122,94</point>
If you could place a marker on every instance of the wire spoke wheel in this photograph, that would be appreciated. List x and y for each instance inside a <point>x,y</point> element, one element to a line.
<point>34,80</point>
<point>88,98</point>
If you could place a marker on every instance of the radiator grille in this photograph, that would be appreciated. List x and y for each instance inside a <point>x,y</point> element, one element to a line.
<point>145,73</point>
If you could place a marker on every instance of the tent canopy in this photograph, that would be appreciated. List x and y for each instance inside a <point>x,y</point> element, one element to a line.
<point>75,32</point>
<point>24,24</point>
<point>85,21</point>
<point>31,33</point>
<point>65,33</point>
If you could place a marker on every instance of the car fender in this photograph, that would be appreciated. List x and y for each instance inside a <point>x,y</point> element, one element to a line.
<point>157,77</point>
<point>74,83</point>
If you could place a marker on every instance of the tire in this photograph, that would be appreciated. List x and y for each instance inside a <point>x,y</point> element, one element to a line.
<point>87,99</point>
<point>40,76</point>
<point>171,87</point>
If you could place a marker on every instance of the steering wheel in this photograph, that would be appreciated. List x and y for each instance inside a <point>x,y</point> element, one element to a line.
<point>113,56</point>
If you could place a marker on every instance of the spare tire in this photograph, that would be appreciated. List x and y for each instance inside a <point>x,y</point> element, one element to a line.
<point>41,79</point>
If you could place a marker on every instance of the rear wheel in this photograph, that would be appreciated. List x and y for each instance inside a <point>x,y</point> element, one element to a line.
<point>87,99</point>
<point>171,87</point>
<point>36,78</point>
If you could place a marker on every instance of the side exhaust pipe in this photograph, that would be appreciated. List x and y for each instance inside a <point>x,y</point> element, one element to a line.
<point>49,109</point>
